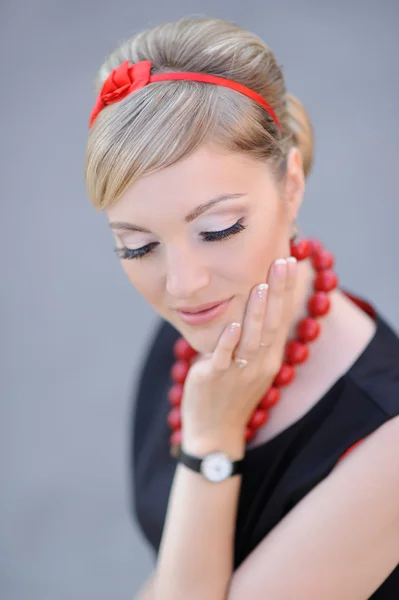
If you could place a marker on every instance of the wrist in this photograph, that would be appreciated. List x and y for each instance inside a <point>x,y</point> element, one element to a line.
<point>231,443</point>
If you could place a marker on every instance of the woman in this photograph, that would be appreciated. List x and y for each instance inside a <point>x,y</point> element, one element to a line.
<point>277,393</point>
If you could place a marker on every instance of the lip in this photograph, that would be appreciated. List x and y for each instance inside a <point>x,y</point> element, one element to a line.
<point>206,315</point>
<point>199,308</point>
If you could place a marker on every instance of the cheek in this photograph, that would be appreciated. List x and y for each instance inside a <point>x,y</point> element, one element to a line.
<point>261,248</point>
<point>145,282</point>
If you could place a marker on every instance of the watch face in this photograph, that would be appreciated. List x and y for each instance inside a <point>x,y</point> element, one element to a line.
<point>216,467</point>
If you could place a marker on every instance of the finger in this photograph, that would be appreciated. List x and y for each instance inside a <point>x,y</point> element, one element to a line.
<point>286,320</point>
<point>275,303</point>
<point>290,289</point>
<point>253,322</point>
<point>223,353</point>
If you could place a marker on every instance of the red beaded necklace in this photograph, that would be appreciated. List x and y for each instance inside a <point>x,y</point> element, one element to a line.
<point>296,352</point>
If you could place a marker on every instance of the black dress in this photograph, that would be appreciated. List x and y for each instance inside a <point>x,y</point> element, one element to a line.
<point>281,471</point>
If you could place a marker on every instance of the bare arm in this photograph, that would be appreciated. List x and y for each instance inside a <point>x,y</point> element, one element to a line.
<point>342,540</point>
<point>196,555</point>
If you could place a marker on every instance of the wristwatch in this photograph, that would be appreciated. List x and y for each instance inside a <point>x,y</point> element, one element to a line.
<point>215,467</point>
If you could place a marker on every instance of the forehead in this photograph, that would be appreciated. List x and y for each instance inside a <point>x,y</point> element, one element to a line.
<point>175,190</point>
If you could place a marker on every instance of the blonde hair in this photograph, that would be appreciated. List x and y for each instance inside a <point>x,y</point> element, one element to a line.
<point>160,124</point>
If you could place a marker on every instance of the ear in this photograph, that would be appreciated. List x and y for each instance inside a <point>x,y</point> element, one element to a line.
<point>294,183</point>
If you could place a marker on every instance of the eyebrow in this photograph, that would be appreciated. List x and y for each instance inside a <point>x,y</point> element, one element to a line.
<point>201,208</point>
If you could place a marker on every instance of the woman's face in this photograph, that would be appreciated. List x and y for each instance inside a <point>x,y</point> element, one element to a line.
<point>203,231</point>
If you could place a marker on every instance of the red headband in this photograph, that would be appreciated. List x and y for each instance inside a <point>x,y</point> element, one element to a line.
<point>124,80</point>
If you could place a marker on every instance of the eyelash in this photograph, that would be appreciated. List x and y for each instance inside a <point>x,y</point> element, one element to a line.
<point>209,236</point>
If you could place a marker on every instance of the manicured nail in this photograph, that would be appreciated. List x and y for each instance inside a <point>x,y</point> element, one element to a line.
<point>261,291</point>
<point>280,266</point>
<point>233,327</point>
<point>292,259</point>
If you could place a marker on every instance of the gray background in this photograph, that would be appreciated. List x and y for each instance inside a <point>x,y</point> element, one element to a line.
<point>73,331</point>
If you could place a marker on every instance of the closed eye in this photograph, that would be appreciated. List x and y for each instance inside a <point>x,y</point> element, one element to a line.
<point>207,236</point>
<point>213,236</point>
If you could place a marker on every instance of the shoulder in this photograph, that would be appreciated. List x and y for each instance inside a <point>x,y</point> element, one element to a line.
<point>374,380</point>
<point>152,383</point>
<point>161,342</point>
<point>158,357</point>
<point>376,372</point>
<point>362,403</point>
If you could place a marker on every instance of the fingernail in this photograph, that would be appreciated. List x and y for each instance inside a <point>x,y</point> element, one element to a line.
<point>233,327</point>
<point>280,266</point>
<point>292,259</point>
<point>261,291</point>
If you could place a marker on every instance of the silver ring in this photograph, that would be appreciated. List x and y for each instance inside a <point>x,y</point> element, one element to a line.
<point>241,362</point>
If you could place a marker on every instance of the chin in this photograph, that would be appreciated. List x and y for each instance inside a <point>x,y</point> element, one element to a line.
<point>202,342</point>
<point>203,339</point>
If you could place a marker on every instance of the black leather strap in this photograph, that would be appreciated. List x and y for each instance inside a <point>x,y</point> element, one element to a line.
<point>194,463</point>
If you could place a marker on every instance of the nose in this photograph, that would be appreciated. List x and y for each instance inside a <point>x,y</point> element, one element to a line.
<point>186,275</point>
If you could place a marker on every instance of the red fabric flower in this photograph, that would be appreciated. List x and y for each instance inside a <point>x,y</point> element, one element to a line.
<point>121,82</point>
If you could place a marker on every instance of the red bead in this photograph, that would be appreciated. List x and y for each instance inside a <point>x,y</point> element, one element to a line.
<point>175,394</point>
<point>325,281</point>
<point>284,376</point>
<point>319,304</point>
<point>174,418</point>
<point>179,371</point>
<point>315,246</point>
<point>270,399</point>
<point>296,352</point>
<point>176,438</point>
<point>258,418</point>
<point>323,260</point>
<point>308,329</point>
<point>300,250</point>
<point>249,434</point>
<point>182,350</point>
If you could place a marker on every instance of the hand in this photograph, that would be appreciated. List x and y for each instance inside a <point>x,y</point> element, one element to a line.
<point>219,396</point>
